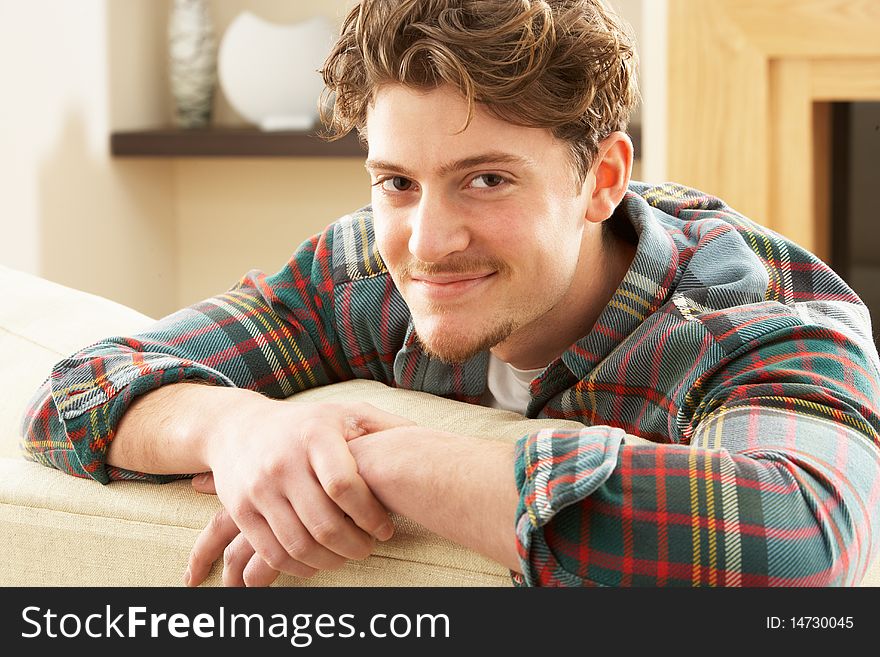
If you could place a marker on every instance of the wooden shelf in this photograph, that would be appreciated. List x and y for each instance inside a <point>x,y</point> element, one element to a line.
<point>247,142</point>
<point>230,142</point>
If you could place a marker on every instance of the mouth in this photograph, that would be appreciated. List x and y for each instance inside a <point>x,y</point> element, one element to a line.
<point>445,286</point>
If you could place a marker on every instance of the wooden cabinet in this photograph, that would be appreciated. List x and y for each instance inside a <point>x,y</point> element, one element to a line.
<point>749,83</point>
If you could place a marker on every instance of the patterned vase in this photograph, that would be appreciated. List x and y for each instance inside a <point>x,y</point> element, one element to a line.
<point>192,62</point>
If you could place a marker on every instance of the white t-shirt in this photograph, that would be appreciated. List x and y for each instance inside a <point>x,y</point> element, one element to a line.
<point>509,387</point>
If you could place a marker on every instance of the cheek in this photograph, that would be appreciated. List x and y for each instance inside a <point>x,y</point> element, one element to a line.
<point>551,241</point>
<point>388,236</point>
<point>554,252</point>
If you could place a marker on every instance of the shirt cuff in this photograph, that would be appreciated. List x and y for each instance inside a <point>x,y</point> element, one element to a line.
<point>91,411</point>
<point>555,469</point>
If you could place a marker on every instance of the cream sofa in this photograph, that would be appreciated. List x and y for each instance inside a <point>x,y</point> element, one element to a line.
<point>58,530</point>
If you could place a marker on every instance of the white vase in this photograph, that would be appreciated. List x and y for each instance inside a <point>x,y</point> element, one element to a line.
<point>192,58</point>
<point>269,72</point>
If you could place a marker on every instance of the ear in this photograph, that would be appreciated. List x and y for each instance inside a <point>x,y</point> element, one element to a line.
<point>610,172</point>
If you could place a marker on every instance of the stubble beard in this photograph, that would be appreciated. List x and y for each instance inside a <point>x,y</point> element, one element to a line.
<point>455,348</point>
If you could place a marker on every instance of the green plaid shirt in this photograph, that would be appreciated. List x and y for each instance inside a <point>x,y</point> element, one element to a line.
<point>744,359</point>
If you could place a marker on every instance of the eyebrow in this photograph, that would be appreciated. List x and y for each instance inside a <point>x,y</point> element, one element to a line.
<point>492,157</point>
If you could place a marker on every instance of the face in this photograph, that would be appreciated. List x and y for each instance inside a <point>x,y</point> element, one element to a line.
<point>480,229</point>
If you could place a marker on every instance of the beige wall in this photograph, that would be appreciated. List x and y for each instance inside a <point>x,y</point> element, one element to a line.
<point>252,214</point>
<point>70,213</point>
<point>130,229</point>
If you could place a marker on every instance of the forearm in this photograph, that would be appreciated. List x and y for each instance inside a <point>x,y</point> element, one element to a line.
<point>168,430</point>
<point>761,498</point>
<point>458,487</point>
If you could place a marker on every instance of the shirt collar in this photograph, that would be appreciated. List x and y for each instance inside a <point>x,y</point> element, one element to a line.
<point>416,370</point>
<point>644,288</point>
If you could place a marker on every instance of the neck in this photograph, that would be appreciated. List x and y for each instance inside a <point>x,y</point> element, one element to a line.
<point>601,267</point>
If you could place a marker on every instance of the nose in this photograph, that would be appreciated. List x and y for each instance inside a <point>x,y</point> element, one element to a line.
<point>437,230</point>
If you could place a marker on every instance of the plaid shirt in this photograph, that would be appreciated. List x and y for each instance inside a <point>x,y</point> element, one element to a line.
<point>745,360</point>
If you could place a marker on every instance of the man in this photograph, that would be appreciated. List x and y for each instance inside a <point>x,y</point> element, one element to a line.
<point>506,259</point>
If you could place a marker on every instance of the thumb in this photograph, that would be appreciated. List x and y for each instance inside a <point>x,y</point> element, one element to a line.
<point>204,483</point>
<point>370,419</point>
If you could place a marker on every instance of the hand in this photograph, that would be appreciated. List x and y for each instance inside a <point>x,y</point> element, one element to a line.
<point>288,481</point>
<point>241,565</point>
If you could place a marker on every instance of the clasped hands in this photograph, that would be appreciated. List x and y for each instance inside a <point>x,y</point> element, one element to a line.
<point>294,499</point>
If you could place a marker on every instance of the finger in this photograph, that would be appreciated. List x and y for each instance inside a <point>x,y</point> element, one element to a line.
<point>367,418</point>
<point>327,523</point>
<point>236,557</point>
<point>259,573</point>
<point>204,483</point>
<point>297,542</point>
<point>209,547</point>
<point>261,535</point>
<point>336,470</point>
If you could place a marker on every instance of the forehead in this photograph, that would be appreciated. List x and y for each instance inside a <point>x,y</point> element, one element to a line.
<point>413,127</point>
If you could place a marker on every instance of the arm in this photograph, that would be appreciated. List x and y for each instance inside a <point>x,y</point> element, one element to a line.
<point>595,510</point>
<point>778,485</point>
<point>273,335</point>
<point>674,515</point>
<point>589,509</point>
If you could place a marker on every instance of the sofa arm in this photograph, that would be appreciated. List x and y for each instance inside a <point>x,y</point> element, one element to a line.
<point>59,530</point>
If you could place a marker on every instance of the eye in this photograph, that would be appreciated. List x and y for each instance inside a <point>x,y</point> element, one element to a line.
<point>396,184</point>
<point>487,180</point>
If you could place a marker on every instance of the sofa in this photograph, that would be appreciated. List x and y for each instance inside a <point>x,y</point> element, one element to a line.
<point>58,530</point>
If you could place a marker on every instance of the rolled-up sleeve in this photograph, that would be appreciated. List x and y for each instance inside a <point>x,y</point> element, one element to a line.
<point>778,484</point>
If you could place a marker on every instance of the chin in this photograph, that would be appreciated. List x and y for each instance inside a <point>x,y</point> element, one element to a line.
<point>457,344</point>
<point>449,350</point>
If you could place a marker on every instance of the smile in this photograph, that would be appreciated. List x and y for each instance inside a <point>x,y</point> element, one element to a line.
<point>449,286</point>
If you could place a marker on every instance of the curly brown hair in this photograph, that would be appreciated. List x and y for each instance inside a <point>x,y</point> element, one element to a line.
<point>565,65</point>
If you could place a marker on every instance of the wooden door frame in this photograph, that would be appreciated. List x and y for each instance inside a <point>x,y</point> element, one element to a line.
<point>749,87</point>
